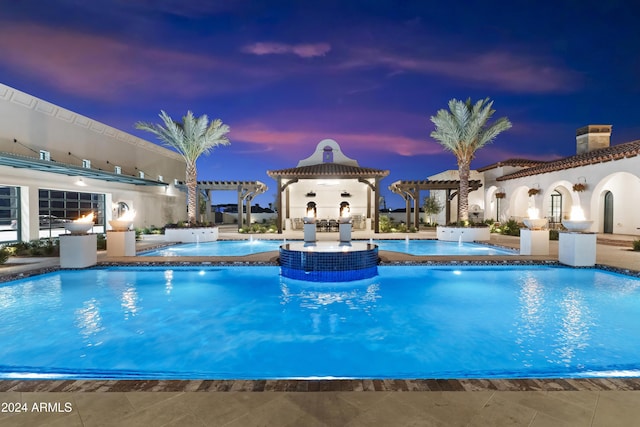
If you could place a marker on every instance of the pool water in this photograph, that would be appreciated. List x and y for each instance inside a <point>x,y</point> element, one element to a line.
<point>249,322</point>
<point>247,247</point>
<point>440,247</point>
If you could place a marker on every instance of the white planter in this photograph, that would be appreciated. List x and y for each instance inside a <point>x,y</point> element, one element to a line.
<point>577,249</point>
<point>345,232</point>
<point>191,235</point>
<point>121,243</point>
<point>78,251</point>
<point>309,232</point>
<point>534,242</point>
<point>464,234</point>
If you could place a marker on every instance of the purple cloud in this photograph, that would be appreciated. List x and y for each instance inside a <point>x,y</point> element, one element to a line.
<point>105,68</point>
<point>502,69</point>
<point>301,50</point>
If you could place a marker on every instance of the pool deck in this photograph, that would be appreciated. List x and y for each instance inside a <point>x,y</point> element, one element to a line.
<point>535,402</point>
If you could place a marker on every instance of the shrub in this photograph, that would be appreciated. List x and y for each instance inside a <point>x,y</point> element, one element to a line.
<point>385,224</point>
<point>101,242</point>
<point>636,245</point>
<point>5,253</point>
<point>510,228</point>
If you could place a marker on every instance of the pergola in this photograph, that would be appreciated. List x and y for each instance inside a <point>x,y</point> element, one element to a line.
<point>286,177</point>
<point>410,190</point>
<point>247,190</point>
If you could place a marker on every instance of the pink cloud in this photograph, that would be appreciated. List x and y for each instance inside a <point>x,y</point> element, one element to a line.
<point>301,50</point>
<point>99,67</point>
<point>262,135</point>
<point>512,72</point>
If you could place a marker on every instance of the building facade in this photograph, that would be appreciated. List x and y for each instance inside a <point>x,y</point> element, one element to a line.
<point>601,180</point>
<point>56,165</point>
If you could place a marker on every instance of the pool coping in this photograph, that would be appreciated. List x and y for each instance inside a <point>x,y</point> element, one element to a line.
<point>324,385</point>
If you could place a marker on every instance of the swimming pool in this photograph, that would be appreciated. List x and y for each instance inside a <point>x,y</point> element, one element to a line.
<point>247,247</point>
<point>249,322</point>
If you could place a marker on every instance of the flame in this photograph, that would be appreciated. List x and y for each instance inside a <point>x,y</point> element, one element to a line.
<point>128,215</point>
<point>86,218</point>
<point>533,213</point>
<point>577,214</point>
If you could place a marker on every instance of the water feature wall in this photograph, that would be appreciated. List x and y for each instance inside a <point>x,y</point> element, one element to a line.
<point>329,263</point>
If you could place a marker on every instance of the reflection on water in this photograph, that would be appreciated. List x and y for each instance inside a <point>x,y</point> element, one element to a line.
<point>531,301</point>
<point>168,277</point>
<point>88,320</point>
<point>330,305</point>
<point>354,298</point>
<point>129,302</point>
<point>575,323</point>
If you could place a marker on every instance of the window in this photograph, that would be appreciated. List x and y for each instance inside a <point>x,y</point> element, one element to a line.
<point>58,207</point>
<point>9,214</point>
<point>555,209</point>
<point>327,155</point>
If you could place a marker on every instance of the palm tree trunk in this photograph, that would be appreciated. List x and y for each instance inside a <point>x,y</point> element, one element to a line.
<point>192,185</point>
<point>463,192</point>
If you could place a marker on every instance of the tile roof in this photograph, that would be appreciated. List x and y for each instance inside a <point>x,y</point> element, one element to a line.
<point>328,170</point>
<point>614,152</point>
<point>511,162</point>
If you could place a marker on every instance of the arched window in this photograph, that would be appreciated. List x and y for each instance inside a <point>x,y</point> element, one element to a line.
<point>327,155</point>
<point>555,208</point>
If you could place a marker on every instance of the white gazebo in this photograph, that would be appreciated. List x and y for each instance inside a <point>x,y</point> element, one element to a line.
<point>328,179</point>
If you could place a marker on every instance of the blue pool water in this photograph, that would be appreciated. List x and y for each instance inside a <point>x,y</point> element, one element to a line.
<point>249,322</point>
<point>247,247</point>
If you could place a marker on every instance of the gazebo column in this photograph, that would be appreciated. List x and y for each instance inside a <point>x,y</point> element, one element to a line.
<point>288,203</point>
<point>248,204</point>
<point>376,206</point>
<point>407,209</point>
<point>239,207</point>
<point>369,203</point>
<point>447,207</point>
<point>279,204</point>
<point>416,208</point>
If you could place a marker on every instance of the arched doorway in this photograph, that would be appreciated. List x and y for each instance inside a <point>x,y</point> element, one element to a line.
<point>608,212</point>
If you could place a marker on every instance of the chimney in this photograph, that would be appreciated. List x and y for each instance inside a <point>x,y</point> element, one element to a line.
<point>592,137</point>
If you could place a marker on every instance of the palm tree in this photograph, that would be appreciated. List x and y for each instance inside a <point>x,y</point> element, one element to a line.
<point>463,130</point>
<point>191,138</point>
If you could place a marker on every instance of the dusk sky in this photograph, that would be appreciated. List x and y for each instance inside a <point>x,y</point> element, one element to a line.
<point>369,74</point>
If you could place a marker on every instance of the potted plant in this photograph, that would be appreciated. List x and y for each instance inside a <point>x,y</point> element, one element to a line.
<point>579,187</point>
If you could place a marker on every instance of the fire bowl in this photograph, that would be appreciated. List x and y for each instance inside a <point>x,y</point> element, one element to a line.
<point>577,225</point>
<point>120,225</point>
<point>535,224</point>
<point>78,227</point>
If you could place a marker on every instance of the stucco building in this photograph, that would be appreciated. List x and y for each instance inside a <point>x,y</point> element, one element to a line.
<point>57,165</point>
<point>603,180</point>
